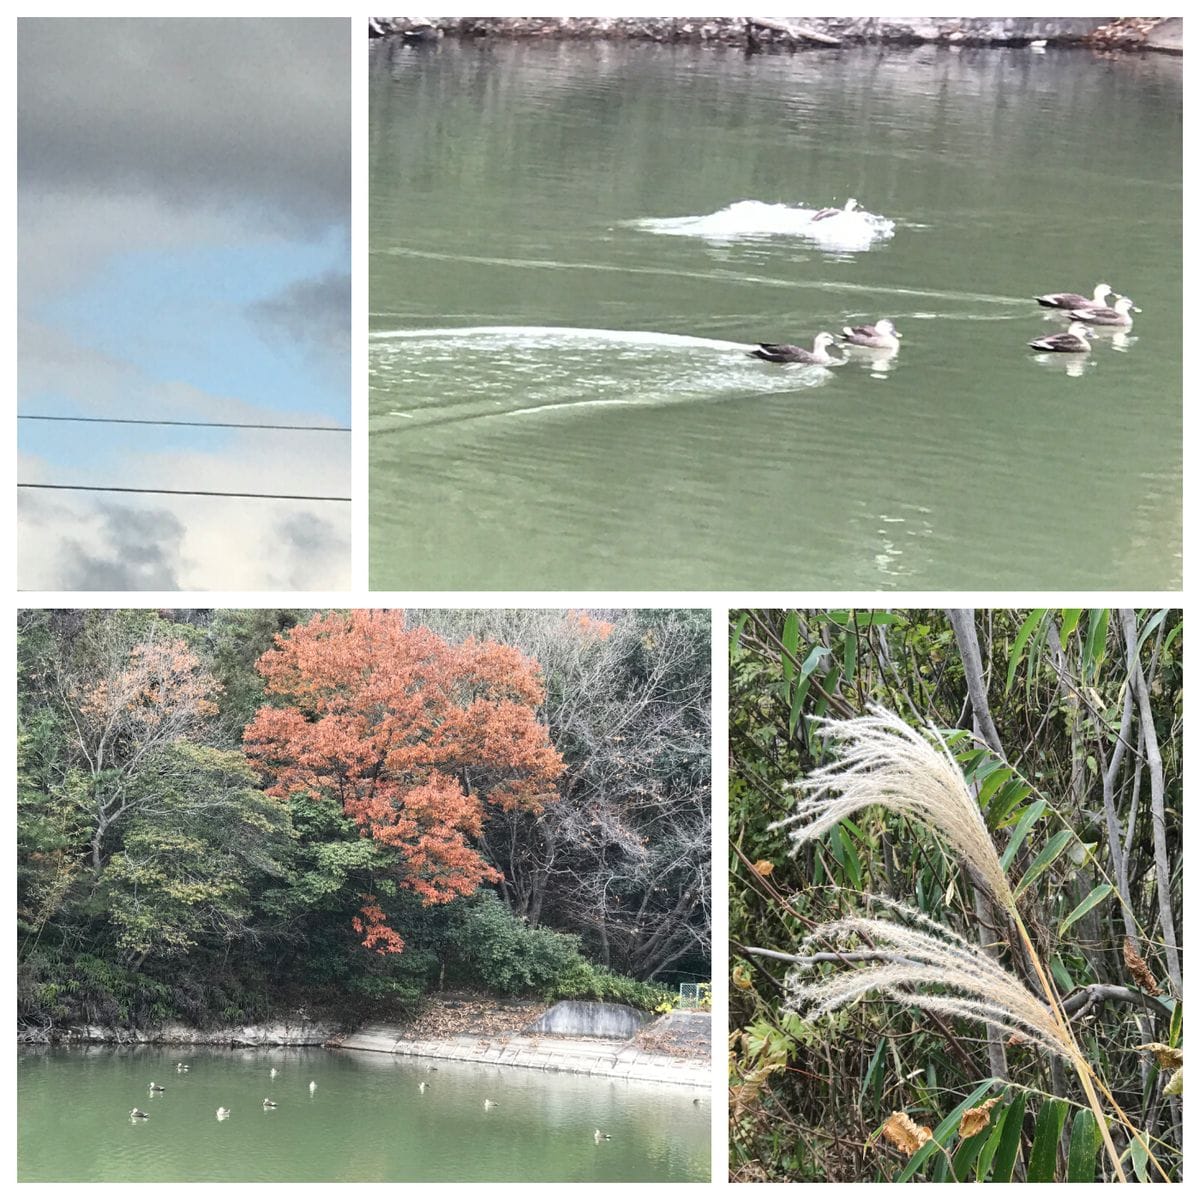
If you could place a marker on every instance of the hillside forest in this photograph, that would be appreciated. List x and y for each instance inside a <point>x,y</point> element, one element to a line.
<point>239,815</point>
<point>956,893</point>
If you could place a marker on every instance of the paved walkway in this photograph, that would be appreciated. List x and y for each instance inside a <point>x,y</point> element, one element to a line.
<point>581,1056</point>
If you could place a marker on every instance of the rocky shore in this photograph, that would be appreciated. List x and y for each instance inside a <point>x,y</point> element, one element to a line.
<point>755,33</point>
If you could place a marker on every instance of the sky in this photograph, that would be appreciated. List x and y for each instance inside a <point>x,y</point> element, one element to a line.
<point>184,254</point>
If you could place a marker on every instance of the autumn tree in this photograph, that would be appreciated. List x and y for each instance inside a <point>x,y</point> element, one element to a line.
<point>411,738</point>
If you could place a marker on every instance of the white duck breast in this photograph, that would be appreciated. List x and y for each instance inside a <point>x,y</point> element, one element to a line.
<point>883,335</point>
<point>1075,299</point>
<point>782,353</point>
<point>1117,316</point>
<point>1074,341</point>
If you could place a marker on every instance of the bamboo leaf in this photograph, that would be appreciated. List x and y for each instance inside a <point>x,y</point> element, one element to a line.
<point>1085,906</point>
<point>968,1151</point>
<point>1138,1157</point>
<point>1010,1141</point>
<point>1014,658</point>
<point>1085,1144</point>
<point>790,639</point>
<point>1052,849</point>
<point>1043,1155</point>
<point>944,1133</point>
<point>1070,619</point>
<point>735,639</point>
<point>1097,636</point>
<point>1024,825</point>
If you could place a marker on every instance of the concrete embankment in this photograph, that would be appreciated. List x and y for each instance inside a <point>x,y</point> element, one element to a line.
<point>284,1033</point>
<point>582,1056</point>
<point>1125,33</point>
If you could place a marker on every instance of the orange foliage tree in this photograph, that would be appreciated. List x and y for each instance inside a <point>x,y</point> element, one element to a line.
<point>412,737</point>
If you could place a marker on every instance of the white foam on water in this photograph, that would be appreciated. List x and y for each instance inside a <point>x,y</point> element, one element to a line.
<point>752,219</point>
<point>546,335</point>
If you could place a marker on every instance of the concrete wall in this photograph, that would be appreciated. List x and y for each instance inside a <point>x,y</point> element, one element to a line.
<point>585,1018</point>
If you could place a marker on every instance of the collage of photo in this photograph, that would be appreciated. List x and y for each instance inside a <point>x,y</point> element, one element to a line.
<point>598,600</point>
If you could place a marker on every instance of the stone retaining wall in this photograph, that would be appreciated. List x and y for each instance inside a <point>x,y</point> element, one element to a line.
<point>295,1033</point>
<point>1152,33</point>
<point>580,1056</point>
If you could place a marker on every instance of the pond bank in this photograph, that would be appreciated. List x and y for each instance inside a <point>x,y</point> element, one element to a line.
<point>1125,33</point>
<point>579,1056</point>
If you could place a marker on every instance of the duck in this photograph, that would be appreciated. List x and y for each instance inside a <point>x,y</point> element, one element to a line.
<point>696,1100</point>
<point>601,1136</point>
<point>156,1087</point>
<point>1074,299</point>
<point>136,1114</point>
<point>274,1072</point>
<point>312,1085</point>
<point>182,1067</point>
<point>490,1104</point>
<point>1116,317</point>
<point>222,1113</point>
<point>422,1086</point>
<point>1074,341</point>
<point>269,1103</point>
<point>783,353</point>
<point>883,335</point>
<point>823,214</point>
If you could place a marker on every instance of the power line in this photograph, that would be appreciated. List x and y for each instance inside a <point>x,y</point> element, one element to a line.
<point>80,487</point>
<point>194,424</point>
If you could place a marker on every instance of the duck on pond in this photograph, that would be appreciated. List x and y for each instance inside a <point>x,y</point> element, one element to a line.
<point>601,1136</point>
<point>1117,317</point>
<point>782,353</point>
<point>1074,299</point>
<point>1074,341</point>
<point>136,1114</point>
<point>823,214</point>
<point>222,1113</point>
<point>883,335</point>
<point>156,1087</point>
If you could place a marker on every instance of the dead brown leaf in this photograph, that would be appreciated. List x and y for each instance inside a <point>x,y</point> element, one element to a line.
<point>905,1134</point>
<point>975,1119</point>
<point>1170,1058</point>
<point>1138,969</point>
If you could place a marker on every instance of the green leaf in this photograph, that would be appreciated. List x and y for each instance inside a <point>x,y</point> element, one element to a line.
<point>735,638</point>
<point>1014,658</point>
<point>1015,792</point>
<point>791,637</point>
<point>1097,636</point>
<point>1010,1141</point>
<point>1052,849</point>
<point>1139,1157</point>
<point>849,859</point>
<point>873,1079</point>
<point>968,1150</point>
<point>1070,618</point>
<point>1085,1144</point>
<point>1061,975</point>
<point>1085,906</point>
<point>1024,825</point>
<point>944,1133</point>
<point>1043,1156</point>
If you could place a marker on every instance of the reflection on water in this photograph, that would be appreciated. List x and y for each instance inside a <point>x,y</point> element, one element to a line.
<point>561,396</point>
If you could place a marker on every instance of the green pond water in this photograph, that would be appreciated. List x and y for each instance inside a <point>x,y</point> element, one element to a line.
<point>366,1121</point>
<point>571,245</point>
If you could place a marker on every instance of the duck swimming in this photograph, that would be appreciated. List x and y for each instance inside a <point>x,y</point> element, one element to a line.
<point>274,1072</point>
<point>422,1086</point>
<point>823,214</point>
<point>783,353</point>
<point>883,335</point>
<point>1074,299</point>
<point>136,1114</point>
<point>1116,317</point>
<point>269,1103</point>
<point>490,1104</point>
<point>1074,341</point>
<point>156,1087</point>
<point>222,1113</point>
<point>601,1136</point>
<point>312,1085</point>
<point>182,1067</point>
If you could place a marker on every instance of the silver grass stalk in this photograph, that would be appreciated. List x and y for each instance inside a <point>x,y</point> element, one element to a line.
<point>916,956</point>
<point>882,761</point>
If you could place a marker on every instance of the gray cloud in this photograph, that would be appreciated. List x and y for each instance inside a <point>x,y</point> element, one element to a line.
<point>248,113</point>
<point>318,549</point>
<point>133,550</point>
<point>313,312</point>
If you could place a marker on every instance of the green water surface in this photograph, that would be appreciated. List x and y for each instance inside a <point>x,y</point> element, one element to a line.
<point>367,1120</point>
<point>560,396</point>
